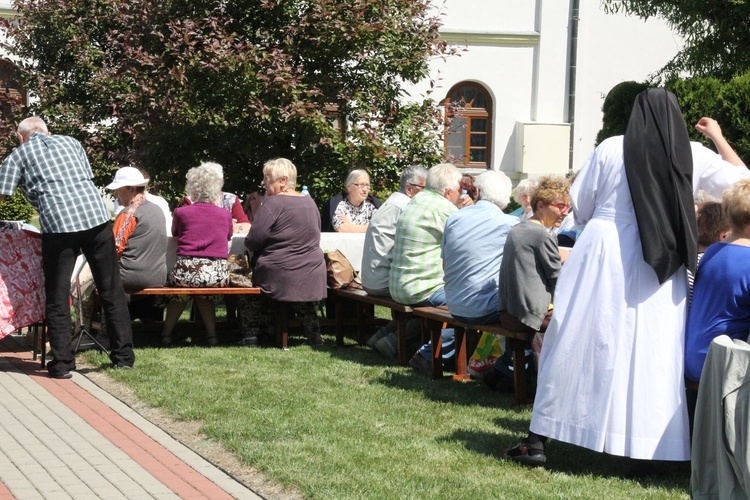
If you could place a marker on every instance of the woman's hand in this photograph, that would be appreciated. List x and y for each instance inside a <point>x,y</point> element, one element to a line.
<point>709,128</point>
<point>240,227</point>
<point>347,226</point>
<point>464,201</point>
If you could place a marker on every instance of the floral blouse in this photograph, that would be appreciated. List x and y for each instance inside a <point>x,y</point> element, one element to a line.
<point>360,215</point>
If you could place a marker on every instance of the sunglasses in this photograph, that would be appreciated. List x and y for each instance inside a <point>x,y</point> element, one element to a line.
<point>563,207</point>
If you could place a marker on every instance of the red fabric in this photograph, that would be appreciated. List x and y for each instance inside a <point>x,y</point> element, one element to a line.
<point>21,280</point>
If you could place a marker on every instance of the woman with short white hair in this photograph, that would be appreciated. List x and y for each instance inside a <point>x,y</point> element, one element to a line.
<point>202,230</point>
<point>522,195</point>
<point>351,211</point>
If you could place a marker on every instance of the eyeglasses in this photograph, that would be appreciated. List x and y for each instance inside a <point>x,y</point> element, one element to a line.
<point>420,186</point>
<point>563,207</point>
<point>361,185</point>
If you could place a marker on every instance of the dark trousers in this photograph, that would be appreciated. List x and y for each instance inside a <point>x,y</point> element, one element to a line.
<point>59,253</point>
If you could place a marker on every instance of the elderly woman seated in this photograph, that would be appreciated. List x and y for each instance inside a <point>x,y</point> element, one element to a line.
<point>141,239</point>
<point>203,231</point>
<point>531,261</point>
<point>287,261</point>
<point>351,211</point>
<point>228,201</point>
<point>522,195</point>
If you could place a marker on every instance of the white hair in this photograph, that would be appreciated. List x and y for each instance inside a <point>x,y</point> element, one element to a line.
<point>443,176</point>
<point>526,186</point>
<point>30,125</point>
<point>414,174</point>
<point>354,175</point>
<point>281,167</point>
<point>494,187</point>
<point>203,184</point>
<point>214,166</point>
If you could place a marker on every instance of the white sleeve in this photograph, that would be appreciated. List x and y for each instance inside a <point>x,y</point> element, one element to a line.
<point>711,173</point>
<point>583,191</point>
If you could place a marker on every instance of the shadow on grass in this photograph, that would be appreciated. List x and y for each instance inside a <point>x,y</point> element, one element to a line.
<point>575,461</point>
<point>447,391</point>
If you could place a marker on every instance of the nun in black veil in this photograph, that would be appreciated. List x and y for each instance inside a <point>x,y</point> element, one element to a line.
<point>611,368</point>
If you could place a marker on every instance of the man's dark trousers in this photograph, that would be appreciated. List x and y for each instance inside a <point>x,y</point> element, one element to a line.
<point>59,253</point>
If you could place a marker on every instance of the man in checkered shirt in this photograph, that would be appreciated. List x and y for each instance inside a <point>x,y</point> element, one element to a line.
<point>416,275</point>
<point>54,174</point>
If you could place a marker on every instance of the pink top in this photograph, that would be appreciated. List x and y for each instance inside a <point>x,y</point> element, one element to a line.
<point>202,230</point>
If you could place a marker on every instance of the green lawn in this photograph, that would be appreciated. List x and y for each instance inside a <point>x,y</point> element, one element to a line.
<point>342,423</point>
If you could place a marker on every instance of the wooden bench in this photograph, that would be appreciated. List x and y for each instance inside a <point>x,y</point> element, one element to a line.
<point>280,311</point>
<point>433,319</point>
<point>229,290</point>
<point>365,316</point>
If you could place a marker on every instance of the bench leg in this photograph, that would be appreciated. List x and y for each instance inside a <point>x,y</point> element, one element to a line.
<point>281,323</point>
<point>339,304</point>
<point>436,340</point>
<point>363,312</point>
<point>403,356</point>
<point>462,354</point>
<point>44,346</point>
<point>520,384</point>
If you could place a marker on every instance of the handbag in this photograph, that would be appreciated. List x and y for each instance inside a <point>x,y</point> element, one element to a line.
<point>340,272</point>
<point>240,272</point>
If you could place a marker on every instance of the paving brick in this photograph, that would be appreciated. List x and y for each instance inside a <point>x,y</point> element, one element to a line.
<point>69,439</point>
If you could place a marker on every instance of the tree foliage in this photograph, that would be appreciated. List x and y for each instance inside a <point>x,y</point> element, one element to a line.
<point>16,208</point>
<point>165,84</point>
<point>616,109</point>
<point>727,102</point>
<point>716,33</point>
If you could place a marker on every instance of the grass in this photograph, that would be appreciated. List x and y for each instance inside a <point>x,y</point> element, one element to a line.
<point>342,423</point>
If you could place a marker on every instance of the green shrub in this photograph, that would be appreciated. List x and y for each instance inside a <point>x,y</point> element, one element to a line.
<point>16,208</point>
<point>616,109</point>
<point>727,102</point>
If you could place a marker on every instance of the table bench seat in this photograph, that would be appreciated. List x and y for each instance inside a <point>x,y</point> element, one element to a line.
<point>467,338</point>
<point>365,316</point>
<point>230,290</point>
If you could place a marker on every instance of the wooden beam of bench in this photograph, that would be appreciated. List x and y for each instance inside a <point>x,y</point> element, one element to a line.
<point>518,342</point>
<point>401,314</point>
<point>198,291</point>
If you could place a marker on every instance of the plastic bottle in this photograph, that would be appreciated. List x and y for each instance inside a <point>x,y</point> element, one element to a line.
<point>464,192</point>
<point>305,192</point>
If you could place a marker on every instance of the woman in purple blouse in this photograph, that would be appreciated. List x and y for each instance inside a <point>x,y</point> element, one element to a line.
<point>202,230</point>
<point>288,263</point>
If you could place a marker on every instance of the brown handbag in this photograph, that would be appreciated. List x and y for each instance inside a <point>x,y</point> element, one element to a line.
<point>340,272</point>
<point>240,273</point>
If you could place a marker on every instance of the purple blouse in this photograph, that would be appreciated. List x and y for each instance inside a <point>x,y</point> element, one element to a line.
<point>202,230</point>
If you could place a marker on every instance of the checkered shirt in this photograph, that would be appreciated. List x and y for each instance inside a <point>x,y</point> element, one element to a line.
<point>53,173</point>
<point>417,268</point>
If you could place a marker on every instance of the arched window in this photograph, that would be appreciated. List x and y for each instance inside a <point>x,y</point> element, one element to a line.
<point>468,130</point>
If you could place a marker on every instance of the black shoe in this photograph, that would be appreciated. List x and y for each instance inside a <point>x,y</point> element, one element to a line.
<point>122,367</point>
<point>315,340</point>
<point>60,375</point>
<point>527,453</point>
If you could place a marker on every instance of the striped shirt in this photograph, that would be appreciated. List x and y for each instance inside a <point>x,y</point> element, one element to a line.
<point>417,268</point>
<point>54,174</point>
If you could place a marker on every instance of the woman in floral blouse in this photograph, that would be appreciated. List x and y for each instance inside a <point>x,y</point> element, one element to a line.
<point>351,211</point>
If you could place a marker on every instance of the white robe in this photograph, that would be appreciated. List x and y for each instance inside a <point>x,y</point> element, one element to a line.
<point>611,368</point>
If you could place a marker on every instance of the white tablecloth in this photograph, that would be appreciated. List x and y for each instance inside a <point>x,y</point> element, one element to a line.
<point>350,244</point>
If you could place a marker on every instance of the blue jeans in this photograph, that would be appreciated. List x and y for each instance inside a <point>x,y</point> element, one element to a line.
<point>436,299</point>
<point>487,319</point>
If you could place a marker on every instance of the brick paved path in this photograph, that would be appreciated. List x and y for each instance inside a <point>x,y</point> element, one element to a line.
<point>69,439</point>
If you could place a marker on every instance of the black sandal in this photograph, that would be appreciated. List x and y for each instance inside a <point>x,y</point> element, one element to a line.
<point>527,454</point>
